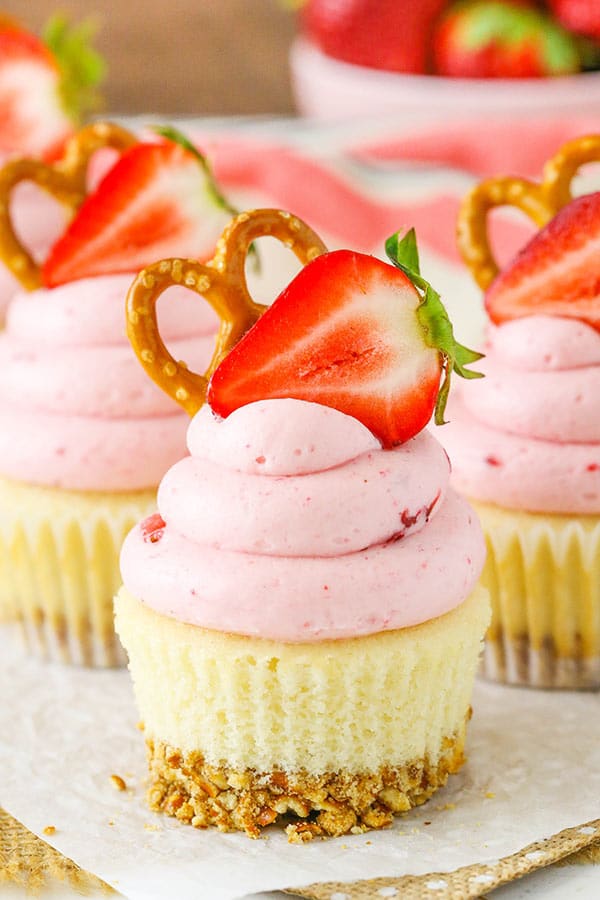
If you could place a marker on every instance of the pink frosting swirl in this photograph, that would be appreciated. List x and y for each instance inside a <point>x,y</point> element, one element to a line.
<point>528,435</point>
<point>77,410</point>
<point>290,522</point>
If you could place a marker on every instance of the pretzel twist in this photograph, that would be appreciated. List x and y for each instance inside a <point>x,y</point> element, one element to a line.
<point>539,201</point>
<point>222,282</point>
<point>65,180</point>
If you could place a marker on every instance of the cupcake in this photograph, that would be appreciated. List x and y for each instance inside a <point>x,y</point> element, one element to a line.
<point>525,441</point>
<point>46,88</point>
<point>301,615</point>
<point>84,437</point>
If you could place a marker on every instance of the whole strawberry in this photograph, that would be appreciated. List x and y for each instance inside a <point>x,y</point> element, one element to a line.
<point>45,85</point>
<point>494,39</point>
<point>581,16</point>
<point>381,34</point>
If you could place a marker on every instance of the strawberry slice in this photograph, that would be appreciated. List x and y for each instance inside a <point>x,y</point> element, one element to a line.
<point>159,200</point>
<point>557,272</point>
<point>353,333</point>
<point>45,86</point>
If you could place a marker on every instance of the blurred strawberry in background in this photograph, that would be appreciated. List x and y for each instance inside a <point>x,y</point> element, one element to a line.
<point>381,34</point>
<point>581,16</point>
<point>47,85</point>
<point>466,39</point>
<point>494,39</point>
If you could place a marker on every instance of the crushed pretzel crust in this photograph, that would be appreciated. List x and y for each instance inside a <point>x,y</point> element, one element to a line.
<point>331,804</point>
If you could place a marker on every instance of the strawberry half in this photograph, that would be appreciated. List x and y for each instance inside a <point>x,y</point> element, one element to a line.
<point>157,201</point>
<point>45,86</point>
<point>557,273</point>
<point>353,333</point>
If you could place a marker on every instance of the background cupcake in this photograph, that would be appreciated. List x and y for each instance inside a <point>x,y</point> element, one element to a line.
<point>299,614</point>
<point>525,445</point>
<point>84,437</point>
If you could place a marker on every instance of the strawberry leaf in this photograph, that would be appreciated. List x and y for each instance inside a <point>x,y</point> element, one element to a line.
<point>432,315</point>
<point>81,67</point>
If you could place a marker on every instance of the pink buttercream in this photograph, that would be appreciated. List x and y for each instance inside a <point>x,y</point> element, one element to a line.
<point>76,408</point>
<point>528,435</point>
<point>285,535</point>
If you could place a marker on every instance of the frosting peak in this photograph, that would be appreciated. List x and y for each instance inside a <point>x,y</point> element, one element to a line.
<point>279,437</point>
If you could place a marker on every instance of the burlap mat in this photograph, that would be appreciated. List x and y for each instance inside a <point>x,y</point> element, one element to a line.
<point>28,861</point>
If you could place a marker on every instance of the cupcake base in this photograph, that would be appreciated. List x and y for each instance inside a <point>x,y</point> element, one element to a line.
<point>543,576</point>
<point>336,736</point>
<point>59,568</point>
<point>330,804</point>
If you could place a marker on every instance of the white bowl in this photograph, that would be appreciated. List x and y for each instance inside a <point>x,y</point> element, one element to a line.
<point>326,88</point>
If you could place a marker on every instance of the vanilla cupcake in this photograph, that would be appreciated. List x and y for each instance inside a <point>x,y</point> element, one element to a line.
<point>300,615</point>
<point>84,437</point>
<point>525,449</point>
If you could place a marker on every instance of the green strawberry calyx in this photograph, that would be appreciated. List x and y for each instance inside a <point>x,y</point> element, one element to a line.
<point>81,67</point>
<point>433,318</point>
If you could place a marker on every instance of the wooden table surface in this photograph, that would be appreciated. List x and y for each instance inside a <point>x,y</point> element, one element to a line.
<point>192,57</point>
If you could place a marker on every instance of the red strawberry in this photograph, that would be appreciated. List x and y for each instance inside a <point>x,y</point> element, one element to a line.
<point>502,39</point>
<point>581,16</point>
<point>158,200</point>
<point>153,528</point>
<point>558,272</point>
<point>382,34</point>
<point>353,333</point>
<point>44,87</point>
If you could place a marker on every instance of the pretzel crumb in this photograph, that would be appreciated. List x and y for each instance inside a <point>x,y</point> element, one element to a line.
<point>186,786</point>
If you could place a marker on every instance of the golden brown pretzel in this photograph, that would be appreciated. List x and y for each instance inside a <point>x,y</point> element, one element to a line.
<point>65,180</point>
<point>540,202</point>
<point>222,282</point>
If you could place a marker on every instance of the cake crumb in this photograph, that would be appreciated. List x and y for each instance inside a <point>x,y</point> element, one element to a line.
<point>140,726</point>
<point>118,782</point>
<point>110,822</point>
<point>50,829</point>
<point>151,826</point>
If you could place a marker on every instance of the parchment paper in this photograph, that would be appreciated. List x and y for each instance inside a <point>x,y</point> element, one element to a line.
<point>533,769</point>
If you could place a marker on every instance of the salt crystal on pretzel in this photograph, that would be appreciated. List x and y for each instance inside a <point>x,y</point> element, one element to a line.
<point>539,201</point>
<point>222,282</point>
<point>65,180</point>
